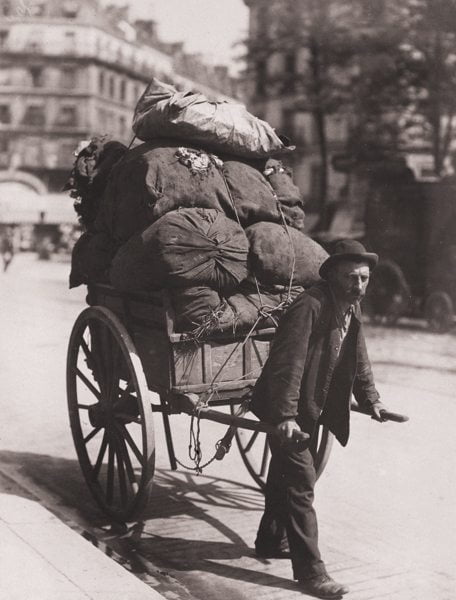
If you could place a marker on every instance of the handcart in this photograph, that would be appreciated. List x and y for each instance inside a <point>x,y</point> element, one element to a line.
<point>126,363</point>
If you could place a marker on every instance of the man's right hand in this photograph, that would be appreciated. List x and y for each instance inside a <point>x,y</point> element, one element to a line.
<point>285,430</point>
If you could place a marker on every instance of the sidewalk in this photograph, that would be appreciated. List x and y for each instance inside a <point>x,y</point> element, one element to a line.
<point>43,559</point>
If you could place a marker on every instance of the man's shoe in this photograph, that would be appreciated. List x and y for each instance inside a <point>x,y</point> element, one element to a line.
<point>323,586</point>
<point>272,551</point>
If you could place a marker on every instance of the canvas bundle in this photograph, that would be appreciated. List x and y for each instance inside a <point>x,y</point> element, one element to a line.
<point>252,198</point>
<point>156,178</point>
<point>221,127</point>
<point>89,177</point>
<point>91,259</point>
<point>280,254</point>
<point>186,247</point>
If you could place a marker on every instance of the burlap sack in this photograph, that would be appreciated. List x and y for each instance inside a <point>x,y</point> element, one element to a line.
<point>91,259</point>
<point>155,178</point>
<point>281,180</point>
<point>252,197</point>
<point>186,247</point>
<point>272,249</point>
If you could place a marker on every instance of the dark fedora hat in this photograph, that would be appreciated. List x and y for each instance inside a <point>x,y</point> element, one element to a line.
<point>348,250</point>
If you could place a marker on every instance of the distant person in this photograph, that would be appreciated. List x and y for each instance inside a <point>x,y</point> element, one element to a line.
<point>7,247</point>
<point>318,358</point>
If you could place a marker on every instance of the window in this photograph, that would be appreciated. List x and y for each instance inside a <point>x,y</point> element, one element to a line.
<point>101,82</point>
<point>37,75</point>
<point>5,76</point>
<point>68,77</point>
<point>36,9</point>
<point>123,90</point>
<point>6,8</point>
<point>122,126</point>
<point>35,115</point>
<point>70,9</point>
<point>4,143</point>
<point>70,41</point>
<point>5,114</point>
<point>3,38</point>
<point>67,116</point>
<point>260,76</point>
<point>111,86</point>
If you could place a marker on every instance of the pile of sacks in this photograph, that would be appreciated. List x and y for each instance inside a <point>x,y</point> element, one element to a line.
<point>203,207</point>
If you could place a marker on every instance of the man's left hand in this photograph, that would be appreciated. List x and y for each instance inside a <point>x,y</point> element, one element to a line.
<point>376,410</point>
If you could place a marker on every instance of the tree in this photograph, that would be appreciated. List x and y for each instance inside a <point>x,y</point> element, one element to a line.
<point>294,30</point>
<point>352,66</point>
<point>430,44</point>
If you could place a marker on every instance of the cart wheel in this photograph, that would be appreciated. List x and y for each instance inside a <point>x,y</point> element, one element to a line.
<point>110,413</point>
<point>255,452</point>
<point>439,310</point>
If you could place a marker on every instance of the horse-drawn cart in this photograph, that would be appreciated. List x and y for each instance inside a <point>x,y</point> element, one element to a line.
<point>126,362</point>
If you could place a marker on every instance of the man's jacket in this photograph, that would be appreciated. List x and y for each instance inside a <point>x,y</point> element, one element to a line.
<point>307,376</point>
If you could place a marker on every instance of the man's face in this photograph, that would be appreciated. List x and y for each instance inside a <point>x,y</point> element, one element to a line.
<point>349,280</point>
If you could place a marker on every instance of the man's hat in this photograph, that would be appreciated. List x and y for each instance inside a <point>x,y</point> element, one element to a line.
<point>348,250</point>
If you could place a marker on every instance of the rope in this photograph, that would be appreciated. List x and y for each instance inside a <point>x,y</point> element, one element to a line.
<point>194,448</point>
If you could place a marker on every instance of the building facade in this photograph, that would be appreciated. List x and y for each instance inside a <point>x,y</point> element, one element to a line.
<point>69,70</point>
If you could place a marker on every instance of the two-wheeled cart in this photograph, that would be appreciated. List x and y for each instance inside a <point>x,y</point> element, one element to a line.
<point>126,362</point>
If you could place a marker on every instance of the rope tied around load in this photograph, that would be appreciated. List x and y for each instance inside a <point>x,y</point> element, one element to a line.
<point>264,312</point>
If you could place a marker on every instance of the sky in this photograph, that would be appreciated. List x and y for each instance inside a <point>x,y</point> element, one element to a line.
<point>211,27</point>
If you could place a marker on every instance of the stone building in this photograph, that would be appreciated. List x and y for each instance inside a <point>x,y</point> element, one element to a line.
<point>70,69</point>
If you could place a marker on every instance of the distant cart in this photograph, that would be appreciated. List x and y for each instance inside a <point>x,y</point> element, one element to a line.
<point>122,348</point>
<point>413,229</point>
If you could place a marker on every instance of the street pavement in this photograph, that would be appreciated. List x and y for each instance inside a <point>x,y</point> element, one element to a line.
<point>386,503</point>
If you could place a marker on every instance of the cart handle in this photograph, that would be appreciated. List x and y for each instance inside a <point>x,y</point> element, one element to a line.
<point>386,414</point>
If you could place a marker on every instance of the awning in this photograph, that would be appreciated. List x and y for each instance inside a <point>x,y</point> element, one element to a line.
<point>20,205</point>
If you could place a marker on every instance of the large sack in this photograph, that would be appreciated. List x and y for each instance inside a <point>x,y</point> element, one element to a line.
<point>252,197</point>
<point>263,306</point>
<point>199,310</point>
<point>294,216</point>
<point>89,177</point>
<point>272,248</point>
<point>91,259</point>
<point>281,181</point>
<point>186,247</point>
<point>155,178</point>
<point>163,112</point>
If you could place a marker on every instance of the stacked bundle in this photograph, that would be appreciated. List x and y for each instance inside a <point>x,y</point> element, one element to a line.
<point>223,232</point>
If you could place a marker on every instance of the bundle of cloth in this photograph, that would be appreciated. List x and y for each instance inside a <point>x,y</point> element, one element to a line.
<point>203,207</point>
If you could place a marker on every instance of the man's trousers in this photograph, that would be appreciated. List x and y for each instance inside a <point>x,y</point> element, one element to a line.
<point>289,511</point>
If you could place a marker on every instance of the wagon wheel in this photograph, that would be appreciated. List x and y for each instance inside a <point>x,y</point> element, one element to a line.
<point>110,413</point>
<point>438,310</point>
<point>255,452</point>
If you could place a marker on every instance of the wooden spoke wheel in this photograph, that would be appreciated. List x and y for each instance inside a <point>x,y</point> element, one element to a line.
<point>110,413</point>
<point>439,310</point>
<point>255,452</point>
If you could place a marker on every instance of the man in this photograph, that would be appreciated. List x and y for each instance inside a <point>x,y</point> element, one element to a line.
<point>317,360</point>
<point>7,247</point>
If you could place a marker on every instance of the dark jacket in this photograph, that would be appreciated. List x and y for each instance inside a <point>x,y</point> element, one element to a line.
<point>305,373</point>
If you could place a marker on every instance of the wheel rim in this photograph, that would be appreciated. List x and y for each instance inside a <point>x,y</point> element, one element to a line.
<point>256,454</point>
<point>110,413</point>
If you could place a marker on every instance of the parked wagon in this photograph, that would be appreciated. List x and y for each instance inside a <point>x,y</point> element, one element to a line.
<point>126,363</point>
<point>413,227</point>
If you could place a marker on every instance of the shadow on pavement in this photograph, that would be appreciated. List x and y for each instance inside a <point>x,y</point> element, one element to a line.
<point>174,494</point>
